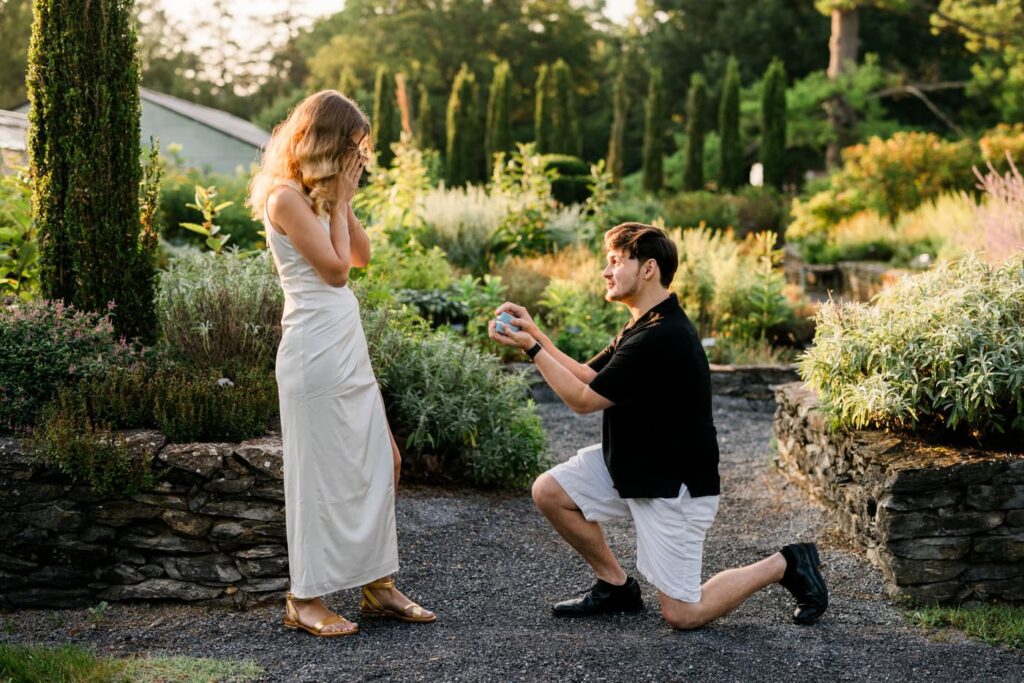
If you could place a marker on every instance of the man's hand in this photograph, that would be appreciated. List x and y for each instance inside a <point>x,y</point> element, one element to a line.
<point>520,339</point>
<point>522,318</point>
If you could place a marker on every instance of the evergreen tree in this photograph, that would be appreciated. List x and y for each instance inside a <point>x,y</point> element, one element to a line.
<point>654,135</point>
<point>617,139</point>
<point>773,128</point>
<point>563,121</point>
<point>385,119</point>
<point>499,129</point>
<point>425,121</point>
<point>696,101</point>
<point>542,112</point>
<point>461,155</point>
<point>730,170</point>
<point>83,87</point>
<point>348,84</point>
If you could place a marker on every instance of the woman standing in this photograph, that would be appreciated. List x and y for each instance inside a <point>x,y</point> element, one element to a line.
<point>341,462</point>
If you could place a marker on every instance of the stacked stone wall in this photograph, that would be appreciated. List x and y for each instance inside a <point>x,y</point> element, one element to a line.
<point>211,529</point>
<point>942,524</point>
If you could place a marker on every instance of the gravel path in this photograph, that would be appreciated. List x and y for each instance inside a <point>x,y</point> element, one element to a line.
<point>491,567</point>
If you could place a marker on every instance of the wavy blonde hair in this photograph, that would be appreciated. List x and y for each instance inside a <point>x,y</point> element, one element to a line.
<point>309,147</point>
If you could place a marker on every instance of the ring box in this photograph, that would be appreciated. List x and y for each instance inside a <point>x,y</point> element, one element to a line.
<point>503,324</point>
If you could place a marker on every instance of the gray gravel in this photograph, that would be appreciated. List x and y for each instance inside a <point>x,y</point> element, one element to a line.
<point>491,567</point>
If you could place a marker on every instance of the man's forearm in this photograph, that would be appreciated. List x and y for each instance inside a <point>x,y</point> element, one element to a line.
<point>566,385</point>
<point>579,370</point>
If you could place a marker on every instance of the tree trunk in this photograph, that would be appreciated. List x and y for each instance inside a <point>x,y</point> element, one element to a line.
<point>842,50</point>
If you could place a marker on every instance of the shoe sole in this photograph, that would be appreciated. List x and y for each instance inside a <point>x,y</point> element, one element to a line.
<point>622,610</point>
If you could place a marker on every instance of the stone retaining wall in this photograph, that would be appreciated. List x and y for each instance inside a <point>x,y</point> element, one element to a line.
<point>942,524</point>
<point>210,530</point>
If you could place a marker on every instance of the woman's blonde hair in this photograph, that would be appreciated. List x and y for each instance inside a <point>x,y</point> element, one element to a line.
<point>309,147</point>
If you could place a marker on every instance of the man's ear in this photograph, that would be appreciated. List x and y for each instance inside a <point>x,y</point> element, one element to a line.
<point>651,269</point>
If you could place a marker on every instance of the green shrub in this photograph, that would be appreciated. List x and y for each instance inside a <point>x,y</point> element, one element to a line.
<point>690,209</point>
<point>178,189</point>
<point>730,288</point>
<point>456,413</point>
<point>937,351</point>
<point>578,319</point>
<point>221,311</point>
<point>45,345</point>
<point>571,184</point>
<point>184,403</point>
<point>87,449</point>
<point>893,176</point>
<point>19,249</point>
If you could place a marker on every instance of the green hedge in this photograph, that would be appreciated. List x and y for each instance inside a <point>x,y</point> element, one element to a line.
<point>573,183</point>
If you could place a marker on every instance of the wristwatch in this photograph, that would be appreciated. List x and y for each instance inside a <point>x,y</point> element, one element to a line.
<point>534,350</point>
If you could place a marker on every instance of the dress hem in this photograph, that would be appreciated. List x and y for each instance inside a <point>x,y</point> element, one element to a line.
<point>317,590</point>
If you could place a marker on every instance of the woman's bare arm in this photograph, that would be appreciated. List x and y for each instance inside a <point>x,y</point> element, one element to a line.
<point>329,254</point>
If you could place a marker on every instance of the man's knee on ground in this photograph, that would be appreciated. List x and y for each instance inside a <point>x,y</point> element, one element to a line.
<point>684,616</point>
<point>545,491</point>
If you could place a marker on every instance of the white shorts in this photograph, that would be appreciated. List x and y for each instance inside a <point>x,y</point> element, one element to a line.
<point>669,531</point>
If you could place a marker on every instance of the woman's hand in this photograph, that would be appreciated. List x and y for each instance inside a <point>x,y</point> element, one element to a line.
<point>347,180</point>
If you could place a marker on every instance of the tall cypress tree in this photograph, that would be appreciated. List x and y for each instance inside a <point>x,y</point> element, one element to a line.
<point>385,118</point>
<point>617,139</point>
<point>83,88</point>
<point>563,136</point>
<point>348,84</point>
<point>499,130</point>
<point>696,101</point>
<point>730,170</point>
<point>654,135</point>
<point>773,126</point>
<point>461,155</point>
<point>425,121</point>
<point>542,112</point>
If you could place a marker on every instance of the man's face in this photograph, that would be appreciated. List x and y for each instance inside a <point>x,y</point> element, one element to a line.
<point>621,276</point>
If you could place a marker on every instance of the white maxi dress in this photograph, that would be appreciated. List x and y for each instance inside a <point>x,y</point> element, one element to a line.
<point>338,465</point>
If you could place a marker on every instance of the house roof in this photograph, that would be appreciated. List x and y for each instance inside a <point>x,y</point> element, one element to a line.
<point>14,125</point>
<point>221,121</point>
<point>13,130</point>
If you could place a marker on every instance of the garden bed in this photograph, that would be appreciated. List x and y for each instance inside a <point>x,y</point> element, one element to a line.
<point>942,524</point>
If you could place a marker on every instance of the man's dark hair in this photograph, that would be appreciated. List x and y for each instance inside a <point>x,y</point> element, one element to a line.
<point>644,242</point>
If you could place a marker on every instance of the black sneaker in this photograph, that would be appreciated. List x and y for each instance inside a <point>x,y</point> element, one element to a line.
<point>603,598</point>
<point>804,580</point>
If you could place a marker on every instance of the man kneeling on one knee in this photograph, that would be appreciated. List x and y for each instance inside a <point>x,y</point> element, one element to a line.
<point>658,457</point>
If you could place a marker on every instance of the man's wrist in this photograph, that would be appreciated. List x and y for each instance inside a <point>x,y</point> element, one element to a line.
<point>532,352</point>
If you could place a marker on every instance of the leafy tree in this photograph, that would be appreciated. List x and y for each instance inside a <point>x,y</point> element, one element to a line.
<point>84,159</point>
<point>994,31</point>
<point>730,170</point>
<point>654,135</point>
<point>696,101</point>
<point>499,131</point>
<point>385,120</point>
<point>773,135</point>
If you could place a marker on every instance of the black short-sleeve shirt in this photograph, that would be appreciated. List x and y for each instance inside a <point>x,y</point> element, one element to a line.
<point>660,433</point>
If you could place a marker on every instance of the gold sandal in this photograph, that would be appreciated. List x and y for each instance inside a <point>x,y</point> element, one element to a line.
<point>291,620</point>
<point>371,606</point>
